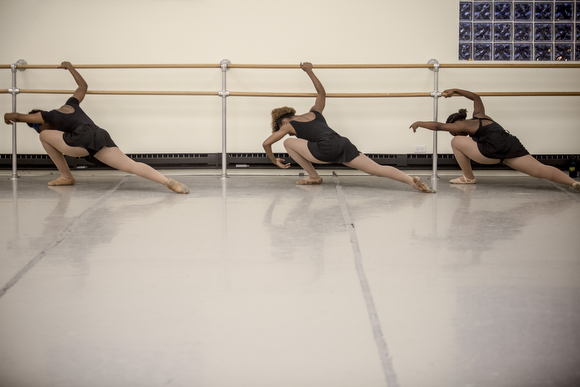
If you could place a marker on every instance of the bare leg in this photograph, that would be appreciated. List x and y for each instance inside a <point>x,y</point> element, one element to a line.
<point>529,165</point>
<point>115,158</point>
<point>297,148</point>
<point>465,150</point>
<point>363,163</point>
<point>56,148</point>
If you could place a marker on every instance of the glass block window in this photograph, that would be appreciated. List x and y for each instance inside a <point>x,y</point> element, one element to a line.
<point>523,30</point>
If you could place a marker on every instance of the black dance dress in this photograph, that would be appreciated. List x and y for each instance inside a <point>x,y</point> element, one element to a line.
<point>495,142</point>
<point>79,130</point>
<point>323,142</point>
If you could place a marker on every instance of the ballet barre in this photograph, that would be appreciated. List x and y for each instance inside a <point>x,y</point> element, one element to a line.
<point>301,95</point>
<point>469,64</point>
<point>225,65</point>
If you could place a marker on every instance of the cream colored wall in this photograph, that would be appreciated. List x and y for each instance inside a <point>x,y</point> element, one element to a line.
<point>263,32</point>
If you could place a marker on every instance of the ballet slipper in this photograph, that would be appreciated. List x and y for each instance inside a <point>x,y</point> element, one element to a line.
<point>62,181</point>
<point>421,186</point>
<point>463,180</point>
<point>310,181</point>
<point>576,186</point>
<point>176,186</point>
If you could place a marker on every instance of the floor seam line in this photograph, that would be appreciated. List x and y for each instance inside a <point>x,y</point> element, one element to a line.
<point>386,362</point>
<point>61,237</point>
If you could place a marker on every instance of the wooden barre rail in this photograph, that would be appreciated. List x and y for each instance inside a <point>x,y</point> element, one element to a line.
<point>328,95</point>
<point>114,92</point>
<point>470,64</point>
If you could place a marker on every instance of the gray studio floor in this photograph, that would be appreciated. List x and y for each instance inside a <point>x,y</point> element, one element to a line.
<point>254,281</point>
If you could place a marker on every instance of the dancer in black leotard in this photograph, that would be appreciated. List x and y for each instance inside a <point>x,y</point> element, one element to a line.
<point>69,131</point>
<point>318,143</point>
<point>489,144</point>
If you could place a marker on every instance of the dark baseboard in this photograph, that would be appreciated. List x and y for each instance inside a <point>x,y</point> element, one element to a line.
<point>261,161</point>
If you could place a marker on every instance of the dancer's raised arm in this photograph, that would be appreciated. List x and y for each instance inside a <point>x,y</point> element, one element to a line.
<point>82,88</point>
<point>320,92</point>
<point>478,108</point>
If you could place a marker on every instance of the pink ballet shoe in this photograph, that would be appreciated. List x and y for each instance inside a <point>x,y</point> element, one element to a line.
<point>576,186</point>
<point>463,180</point>
<point>62,181</point>
<point>421,186</point>
<point>176,186</point>
<point>310,181</point>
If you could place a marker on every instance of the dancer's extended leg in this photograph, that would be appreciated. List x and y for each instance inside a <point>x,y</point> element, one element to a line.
<point>363,163</point>
<point>298,149</point>
<point>115,158</point>
<point>529,165</point>
<point>56,148</point>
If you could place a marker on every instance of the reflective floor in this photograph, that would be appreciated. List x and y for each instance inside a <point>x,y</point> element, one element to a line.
<point>254,281</point>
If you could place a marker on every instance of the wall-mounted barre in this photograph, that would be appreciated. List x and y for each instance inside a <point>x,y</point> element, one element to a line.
<point>470,64</point>
<point>300,95</point>
<point>225,65</point>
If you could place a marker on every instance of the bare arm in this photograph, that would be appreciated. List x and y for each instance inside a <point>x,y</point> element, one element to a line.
<point>460,127</point>
<point>82,88</point>
<point>35,118</point>
<point>478,108</point>
<point>320,92</point>
<point>275,137</point>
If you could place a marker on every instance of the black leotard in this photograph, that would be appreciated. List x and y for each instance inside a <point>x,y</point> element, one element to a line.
<point>495,142</point>
<point>323,142</point>
<point>79,130</point>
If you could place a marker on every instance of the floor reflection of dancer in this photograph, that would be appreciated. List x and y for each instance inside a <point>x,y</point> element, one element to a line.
<point>316,142</point>
<point>484,141</point>
<point>69,131</point>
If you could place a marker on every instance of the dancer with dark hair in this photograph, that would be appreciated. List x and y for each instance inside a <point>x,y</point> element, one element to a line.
<point>316,142</point>
<point>69,131</point>
<point>484,141</point>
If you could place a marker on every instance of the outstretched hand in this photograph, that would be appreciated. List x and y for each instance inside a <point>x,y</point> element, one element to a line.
<point>306,66</point>
<point>414,126</point>
<point>280,163</point>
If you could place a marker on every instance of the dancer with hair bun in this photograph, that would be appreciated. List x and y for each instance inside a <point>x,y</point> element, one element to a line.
<point>484,141</point>
<point>69,131</point>
<point>316,142</point>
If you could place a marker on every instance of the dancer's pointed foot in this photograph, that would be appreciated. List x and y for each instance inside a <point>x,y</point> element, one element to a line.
<point>310,181</point>
<point>62,181</point>
<point>176,186</point>
<point>419,185</point>
<point>463,180</point>
<point>576,186</point>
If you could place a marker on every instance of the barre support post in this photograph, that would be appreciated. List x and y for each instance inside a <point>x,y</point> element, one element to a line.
<point>224,93</point>
<point>435,94</point>
<point>15,91</point>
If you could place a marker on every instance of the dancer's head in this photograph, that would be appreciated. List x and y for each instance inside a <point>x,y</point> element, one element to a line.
<point>279,114</point>
<point>459,116</point>
<point>34,126</point>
